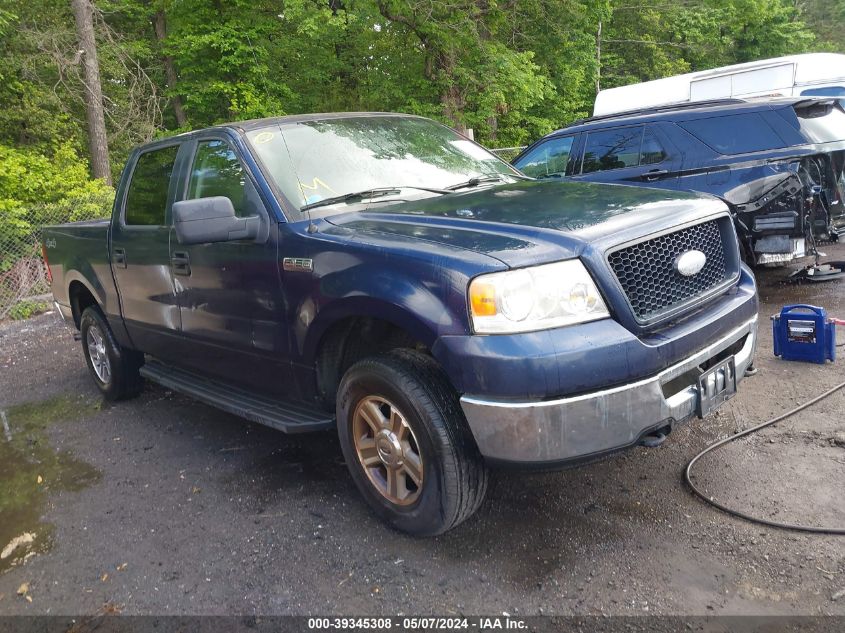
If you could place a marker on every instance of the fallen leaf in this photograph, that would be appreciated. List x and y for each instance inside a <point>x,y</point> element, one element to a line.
<point>23,539</point>
<point>28,598</point>
<point>23,589</point>
<point>40,479</point>
<point>195,490</point>
<point>104,578</point>
<point>121,567</point>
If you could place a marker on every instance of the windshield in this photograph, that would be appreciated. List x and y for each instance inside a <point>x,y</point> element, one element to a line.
<point>312,161</point>
<point>822,122</point>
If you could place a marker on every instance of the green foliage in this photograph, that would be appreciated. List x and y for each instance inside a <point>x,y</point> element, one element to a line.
<point>825,18</point>
<point>649,39</point>
<point>27,309</point>
<point>510,70</point>
<point>38,189</point>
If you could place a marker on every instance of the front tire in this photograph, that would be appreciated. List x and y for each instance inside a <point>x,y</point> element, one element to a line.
<point>113,368</point>
<point>407,444</point>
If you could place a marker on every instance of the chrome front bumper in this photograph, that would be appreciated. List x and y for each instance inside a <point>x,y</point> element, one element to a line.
<point>550,431</point>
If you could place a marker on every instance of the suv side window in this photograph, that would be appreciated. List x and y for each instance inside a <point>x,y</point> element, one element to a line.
<point>146,198</point>
<point>827,91</point>
<point>217,171</point>
<point>548,159</point>
<point>652,151</point>
<point>612,149</point>
<point>734,133</point>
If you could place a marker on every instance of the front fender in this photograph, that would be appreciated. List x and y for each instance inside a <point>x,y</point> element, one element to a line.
<point>409,304</point>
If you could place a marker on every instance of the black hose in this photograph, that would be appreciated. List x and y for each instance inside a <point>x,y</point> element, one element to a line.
<point>754,429</point>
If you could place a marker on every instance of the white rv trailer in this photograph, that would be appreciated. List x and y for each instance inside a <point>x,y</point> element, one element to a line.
<point>811,74</point>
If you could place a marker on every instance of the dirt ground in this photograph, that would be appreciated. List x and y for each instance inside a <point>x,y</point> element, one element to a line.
<point>161,505</point>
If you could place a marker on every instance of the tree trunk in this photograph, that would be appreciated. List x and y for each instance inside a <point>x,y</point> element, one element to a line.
<point>83,13</point>
<point>598,59</point>
<point>160,26</point>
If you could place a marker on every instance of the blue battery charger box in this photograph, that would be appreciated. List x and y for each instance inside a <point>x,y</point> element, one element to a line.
<point>803,332</point>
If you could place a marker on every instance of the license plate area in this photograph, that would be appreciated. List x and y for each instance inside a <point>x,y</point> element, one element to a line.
<point>715,386</point>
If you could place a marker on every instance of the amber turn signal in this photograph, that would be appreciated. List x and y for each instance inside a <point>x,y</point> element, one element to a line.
<point>482,298</point>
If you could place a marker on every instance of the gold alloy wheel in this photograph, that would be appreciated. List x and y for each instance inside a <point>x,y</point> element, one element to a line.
<point>388,450</point>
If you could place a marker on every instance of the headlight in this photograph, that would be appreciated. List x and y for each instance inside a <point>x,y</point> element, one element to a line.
<point>535,298</point>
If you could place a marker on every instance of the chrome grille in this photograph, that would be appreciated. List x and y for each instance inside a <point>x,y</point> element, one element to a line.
<point>647,274</point>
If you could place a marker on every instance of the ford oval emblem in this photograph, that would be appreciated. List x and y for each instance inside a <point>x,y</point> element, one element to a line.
<point>690,263</point>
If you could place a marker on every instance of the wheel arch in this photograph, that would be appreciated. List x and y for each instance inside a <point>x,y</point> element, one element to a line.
<point>81,296</point>
<point>356,329</point>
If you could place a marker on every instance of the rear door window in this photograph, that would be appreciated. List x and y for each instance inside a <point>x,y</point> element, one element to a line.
<point>734,133</point>
<point>547,159</point>
<point>651,151</point>
<point>612,149</point>
<point>217,171</point>
<point>146,198</point>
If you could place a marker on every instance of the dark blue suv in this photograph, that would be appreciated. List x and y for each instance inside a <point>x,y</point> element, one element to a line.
<point>777,163</point>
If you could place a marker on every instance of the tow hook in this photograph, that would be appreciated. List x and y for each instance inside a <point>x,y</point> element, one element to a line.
<point>656,437</point>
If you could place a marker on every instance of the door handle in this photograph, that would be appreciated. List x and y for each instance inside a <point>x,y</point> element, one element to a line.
<point>654,174</point>
<point>180,262</point>
<point>118,257</point>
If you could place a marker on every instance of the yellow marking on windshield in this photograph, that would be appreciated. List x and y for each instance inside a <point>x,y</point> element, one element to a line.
<point>263,137</point>
<point>316,183</point>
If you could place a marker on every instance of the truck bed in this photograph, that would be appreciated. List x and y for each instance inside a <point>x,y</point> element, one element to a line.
<point>79,251</point>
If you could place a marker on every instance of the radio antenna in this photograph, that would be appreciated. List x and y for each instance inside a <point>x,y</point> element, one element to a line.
<point>312,228</point>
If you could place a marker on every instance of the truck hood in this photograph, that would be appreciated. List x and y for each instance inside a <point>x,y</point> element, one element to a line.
<point>534,222</point>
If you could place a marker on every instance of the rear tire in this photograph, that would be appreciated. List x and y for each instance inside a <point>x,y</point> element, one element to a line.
<point>407,444</point>
<point>113,368</point>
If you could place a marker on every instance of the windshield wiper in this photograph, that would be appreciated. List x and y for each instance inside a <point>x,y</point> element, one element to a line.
<point>474,182</point>
<point>375,192</point>
<point>477,180</point>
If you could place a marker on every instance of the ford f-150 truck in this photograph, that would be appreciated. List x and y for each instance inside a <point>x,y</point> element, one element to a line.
<point>382,274</point>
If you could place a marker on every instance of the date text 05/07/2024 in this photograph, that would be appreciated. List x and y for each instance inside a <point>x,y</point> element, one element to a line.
<point>418,623</point>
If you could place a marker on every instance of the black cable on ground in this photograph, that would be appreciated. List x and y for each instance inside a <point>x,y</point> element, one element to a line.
<point>754,429</point>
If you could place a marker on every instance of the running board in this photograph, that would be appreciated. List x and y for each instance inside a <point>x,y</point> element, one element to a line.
<point>284,416</point>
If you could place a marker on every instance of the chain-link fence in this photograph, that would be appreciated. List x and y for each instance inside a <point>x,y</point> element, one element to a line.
<point>507,153</point>
<point>23,274</point>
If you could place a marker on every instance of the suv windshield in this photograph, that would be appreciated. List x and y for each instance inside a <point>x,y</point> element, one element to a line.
<point>822,122</point>
<point>312,161</point>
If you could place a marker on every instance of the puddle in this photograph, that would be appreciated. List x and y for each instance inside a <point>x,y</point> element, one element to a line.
<point>30,469</point>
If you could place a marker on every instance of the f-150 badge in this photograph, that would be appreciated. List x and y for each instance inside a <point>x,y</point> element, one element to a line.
<point>298,264</point>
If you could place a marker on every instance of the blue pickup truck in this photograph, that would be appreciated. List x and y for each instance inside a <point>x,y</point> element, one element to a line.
<point>381,274</point>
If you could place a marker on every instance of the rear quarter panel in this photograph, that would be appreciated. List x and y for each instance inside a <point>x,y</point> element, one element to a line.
<point>79,253</point>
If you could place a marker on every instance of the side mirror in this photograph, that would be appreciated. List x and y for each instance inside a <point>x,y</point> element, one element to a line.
<point>206,220</point>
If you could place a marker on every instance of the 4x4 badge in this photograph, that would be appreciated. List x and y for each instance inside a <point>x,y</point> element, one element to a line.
<point>298,264</point>
<point>690,263</point>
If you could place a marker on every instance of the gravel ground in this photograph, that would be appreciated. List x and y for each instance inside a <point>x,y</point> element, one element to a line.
<point>162,505</point>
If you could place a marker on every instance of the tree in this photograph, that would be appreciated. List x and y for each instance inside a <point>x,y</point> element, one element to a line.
<point>510,69</point>
<point>83,14</point>
<point>649,39</point>
<point>160,25</point>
